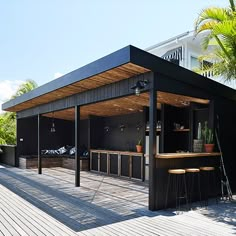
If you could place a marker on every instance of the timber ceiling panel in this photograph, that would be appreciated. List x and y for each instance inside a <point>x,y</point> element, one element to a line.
<point>114,75</point>
<point>126,105</point>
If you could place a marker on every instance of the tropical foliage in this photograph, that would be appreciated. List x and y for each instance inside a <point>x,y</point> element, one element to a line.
<point>220,25</point>
<point>25,87</point>
<point>7,128</point>
<point>8,119</point>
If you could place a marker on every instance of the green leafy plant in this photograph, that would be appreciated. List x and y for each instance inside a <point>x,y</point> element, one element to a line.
<point>207,134</point>
<point>139,142</point>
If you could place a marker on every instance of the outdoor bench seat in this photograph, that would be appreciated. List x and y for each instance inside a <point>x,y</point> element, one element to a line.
<point>65,161</point>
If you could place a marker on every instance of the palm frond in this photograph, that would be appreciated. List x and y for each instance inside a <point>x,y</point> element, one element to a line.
<point>213,14</point>
<point>220,23</point>
<point>25,87</point>
<point>232,4</point>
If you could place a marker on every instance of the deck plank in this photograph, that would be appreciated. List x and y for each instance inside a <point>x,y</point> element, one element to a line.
<point>21,218</point>
<point>33,222</point>
<point>49,204</point>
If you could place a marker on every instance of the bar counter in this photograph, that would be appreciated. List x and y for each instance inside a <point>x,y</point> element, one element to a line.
<point>187,154</point>
<point>165,161</point>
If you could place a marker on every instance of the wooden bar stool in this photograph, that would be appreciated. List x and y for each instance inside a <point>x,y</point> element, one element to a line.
<point>177,185</point>
<point>193,178</point>
<point>208,180</point>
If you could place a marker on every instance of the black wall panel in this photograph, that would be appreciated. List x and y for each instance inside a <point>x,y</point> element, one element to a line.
<point>174,141</point>
<point>114,138</point>
<point>27,135</point>
<point>83,133</point>
<point>226,111</point>
<point>64,135</point>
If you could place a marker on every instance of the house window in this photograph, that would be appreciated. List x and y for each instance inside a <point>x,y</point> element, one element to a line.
<point>196,64</point>
<point>173,55</point>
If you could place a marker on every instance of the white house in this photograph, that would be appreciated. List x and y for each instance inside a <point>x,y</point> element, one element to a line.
<point>184,50</point>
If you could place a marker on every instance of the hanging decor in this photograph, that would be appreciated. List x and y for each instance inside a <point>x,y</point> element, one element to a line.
<point>53,129</point>
<point>138,127</point>
<point>122,127</point>
<point>107,129</point>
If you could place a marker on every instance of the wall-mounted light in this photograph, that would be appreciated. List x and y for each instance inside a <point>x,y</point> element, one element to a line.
<point>122,127</point>
<point>140,85</point>
<point>106,128</point>
<point>53,129</point>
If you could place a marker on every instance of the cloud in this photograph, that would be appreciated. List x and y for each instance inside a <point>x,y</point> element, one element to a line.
<point>7,89</point>
<point>57,75</point>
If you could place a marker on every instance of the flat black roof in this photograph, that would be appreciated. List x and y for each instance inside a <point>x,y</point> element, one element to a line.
<point>125,55</point>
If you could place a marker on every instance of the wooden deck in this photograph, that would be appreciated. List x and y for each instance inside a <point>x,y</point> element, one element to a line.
<point>49,204</point>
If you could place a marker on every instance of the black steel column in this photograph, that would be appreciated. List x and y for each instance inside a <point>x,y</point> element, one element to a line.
<point>152,142</point>
<point>89,140</point>
<point>77,145</point>
<point>143,130</point>
<point>39,148</point>
<point>17,155</point>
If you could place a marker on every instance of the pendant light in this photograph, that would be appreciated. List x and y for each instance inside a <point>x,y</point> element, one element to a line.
<point>53,129</point>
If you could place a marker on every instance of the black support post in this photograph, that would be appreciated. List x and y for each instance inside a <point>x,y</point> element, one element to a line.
<point>39,147</point>
<point>152,142</point>
<point>89,140</point>
<point>143,129</point>
<point>17,156</point>
<point>77,145</point>
<point>162,133</point>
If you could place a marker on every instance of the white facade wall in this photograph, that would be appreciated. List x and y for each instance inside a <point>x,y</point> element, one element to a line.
<point>191,47</point>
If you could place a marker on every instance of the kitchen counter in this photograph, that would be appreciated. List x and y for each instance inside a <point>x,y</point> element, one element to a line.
<point>120,163</point>
<point>116,152</point>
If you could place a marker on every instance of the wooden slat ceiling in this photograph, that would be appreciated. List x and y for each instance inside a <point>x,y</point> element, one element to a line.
<point>126,105</point>
<point>116,74</point>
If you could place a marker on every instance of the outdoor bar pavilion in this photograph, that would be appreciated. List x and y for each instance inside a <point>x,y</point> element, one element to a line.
<point>96,106</point>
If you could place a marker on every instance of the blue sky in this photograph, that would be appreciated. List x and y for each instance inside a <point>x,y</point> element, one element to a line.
<point>43,39</point>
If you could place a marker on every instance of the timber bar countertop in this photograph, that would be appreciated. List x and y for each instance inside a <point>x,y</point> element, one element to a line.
<point>186,154</point>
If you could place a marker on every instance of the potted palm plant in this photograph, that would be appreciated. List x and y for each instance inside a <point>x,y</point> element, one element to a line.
<point>139,145</point>
<point>208,138</point>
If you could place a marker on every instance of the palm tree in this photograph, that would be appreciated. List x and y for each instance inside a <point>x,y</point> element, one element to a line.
<point>220,24</point>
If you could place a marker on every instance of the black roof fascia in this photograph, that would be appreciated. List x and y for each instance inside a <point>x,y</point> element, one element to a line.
<point>173,71</point>
<point>136,56</point>
<point>103,64</point>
